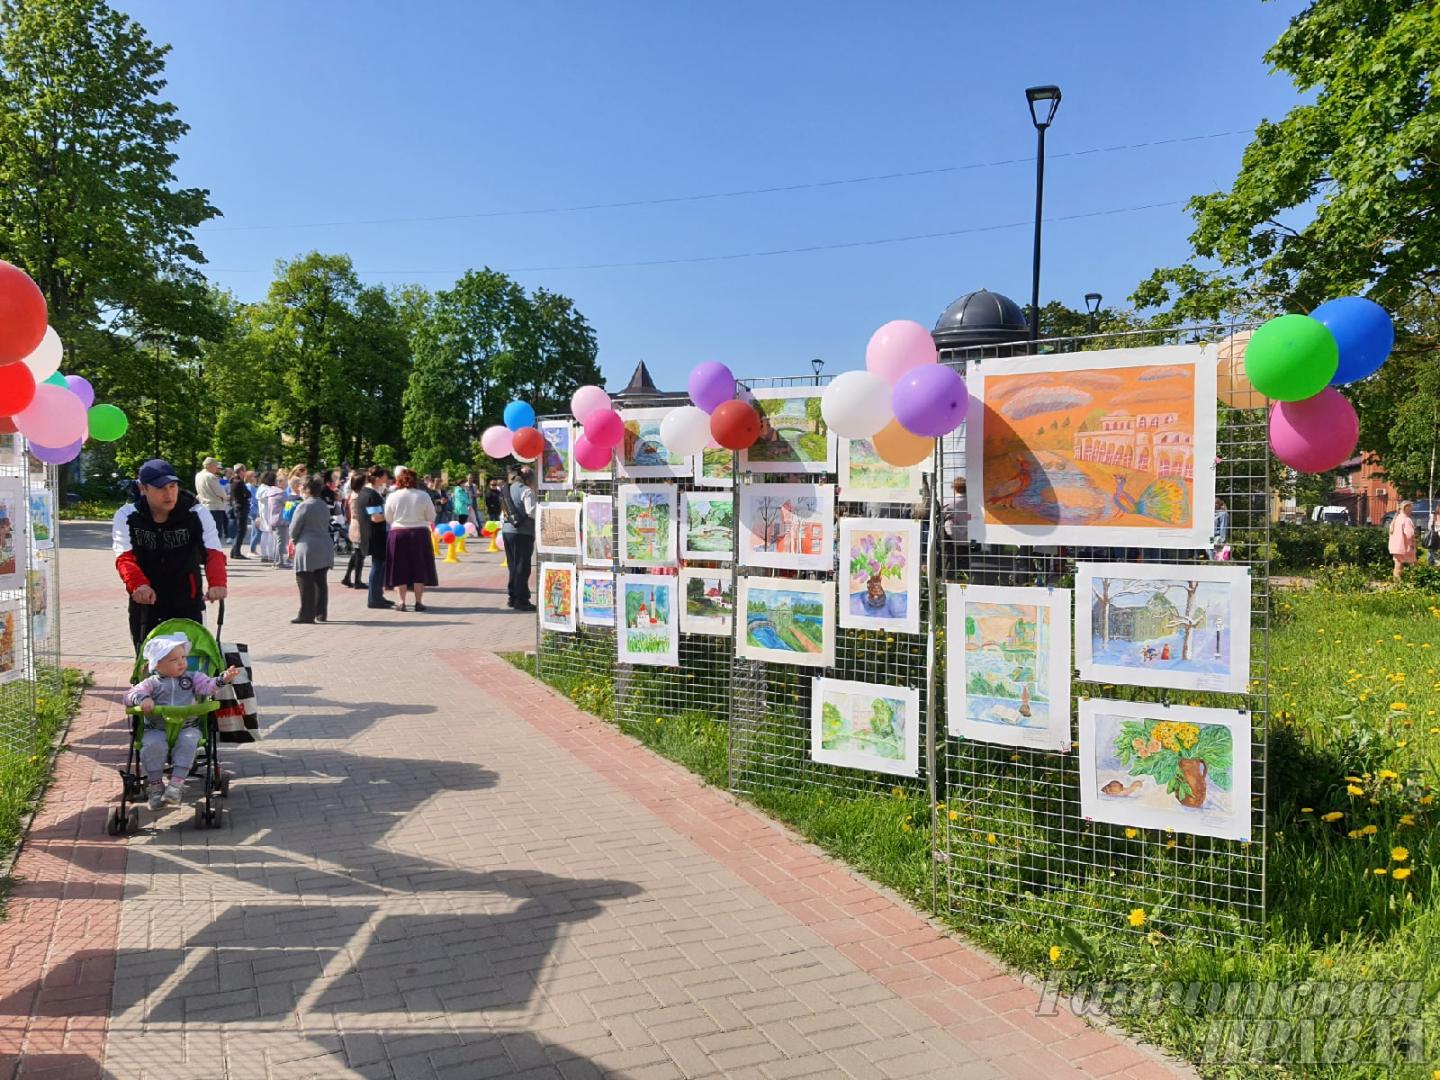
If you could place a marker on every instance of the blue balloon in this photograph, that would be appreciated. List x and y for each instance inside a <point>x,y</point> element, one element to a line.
<point>1364,333</point>
<point>519,414</point>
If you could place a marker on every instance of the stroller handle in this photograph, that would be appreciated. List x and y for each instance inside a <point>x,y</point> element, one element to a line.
<point>176,712</point>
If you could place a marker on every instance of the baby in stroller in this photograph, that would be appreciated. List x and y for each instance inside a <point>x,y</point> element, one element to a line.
<point>170,683</point>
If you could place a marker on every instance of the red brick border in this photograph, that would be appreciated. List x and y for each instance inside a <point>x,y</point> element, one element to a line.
<point>964,991</point>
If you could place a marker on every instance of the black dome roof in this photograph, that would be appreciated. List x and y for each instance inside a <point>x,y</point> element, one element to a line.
<point>980,318</point>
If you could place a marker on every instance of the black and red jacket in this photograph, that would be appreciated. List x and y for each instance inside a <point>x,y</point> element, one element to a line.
<point>168,556</point>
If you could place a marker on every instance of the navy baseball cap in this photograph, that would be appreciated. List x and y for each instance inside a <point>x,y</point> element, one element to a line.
<point>157,472</point>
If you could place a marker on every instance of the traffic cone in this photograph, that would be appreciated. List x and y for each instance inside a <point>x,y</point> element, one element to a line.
<point>434,541</point>
<point>451,555</point>
<point>493,546</point>
<point>460,543</point>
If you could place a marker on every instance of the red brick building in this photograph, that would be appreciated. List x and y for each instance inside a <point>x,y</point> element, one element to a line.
<point>1363,488</point>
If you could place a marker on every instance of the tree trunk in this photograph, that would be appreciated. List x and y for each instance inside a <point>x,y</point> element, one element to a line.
<point>1187,642</point>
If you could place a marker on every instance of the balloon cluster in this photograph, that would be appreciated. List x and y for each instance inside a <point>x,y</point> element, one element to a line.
<point>448,532</point>
<point>904,399</point>
<point>1299,360</point>
<point>722,416</point>
<point>56,413</point>
<point>517,436</point>
<point>602,430</point>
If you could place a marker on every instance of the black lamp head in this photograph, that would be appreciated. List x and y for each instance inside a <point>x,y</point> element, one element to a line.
<point>1044,100</point>
<point>1092,302</point>
<point>816,364</point>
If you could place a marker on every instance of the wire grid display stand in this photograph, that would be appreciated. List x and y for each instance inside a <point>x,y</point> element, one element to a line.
<point>1010,842</point>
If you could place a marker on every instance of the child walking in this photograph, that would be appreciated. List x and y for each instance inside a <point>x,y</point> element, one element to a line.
<point>170,683</point>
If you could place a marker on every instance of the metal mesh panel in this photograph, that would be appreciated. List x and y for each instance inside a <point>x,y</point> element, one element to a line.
<point>1011,844</point>
<point>31,626</point>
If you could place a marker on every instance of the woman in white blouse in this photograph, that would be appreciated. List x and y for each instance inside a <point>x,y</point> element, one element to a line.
<point>410,558</point>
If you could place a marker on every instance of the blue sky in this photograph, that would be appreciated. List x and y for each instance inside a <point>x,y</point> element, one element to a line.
<point>320,112</point>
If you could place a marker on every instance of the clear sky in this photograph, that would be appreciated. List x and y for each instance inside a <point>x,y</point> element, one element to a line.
<point>318,124</point>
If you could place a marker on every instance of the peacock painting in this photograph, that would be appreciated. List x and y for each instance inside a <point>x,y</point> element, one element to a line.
<point>1166,500</point>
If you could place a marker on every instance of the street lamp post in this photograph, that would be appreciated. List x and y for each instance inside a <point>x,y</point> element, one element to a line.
<point>1092,306</point>
<point>816,365</point>
<point>1044,100</point>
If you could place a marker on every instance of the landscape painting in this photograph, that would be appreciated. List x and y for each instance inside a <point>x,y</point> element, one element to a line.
<point>1176,627</point>
<point>787,621</point>
<point>37,595</point>
<point>557,528</point>
<point>1149,766</point>
<point>646,528</point>
<point>709,601</point>
<point>868,478</point>
<point>557,596</point>
<point>1007,659</point>
<point>862,726</point>
<point>643,454</point>
<point>12,523</point>
<point>12,644</point>
<point>787,526</point>
<point>598,530</point>
<point>794,437</point>
<point>557,458</point>
<point>880,561</point>
<point>42,520</point>
<point>650,633</point>
<point>707,526</point>
<point>1113,448</point>
<point>715,467</point>
<point>597,598</point>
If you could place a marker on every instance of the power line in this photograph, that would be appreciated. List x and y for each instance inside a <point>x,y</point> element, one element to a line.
<point>740,193</point>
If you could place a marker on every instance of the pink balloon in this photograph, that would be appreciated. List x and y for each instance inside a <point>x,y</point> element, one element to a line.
<point>55,417</point>
<point>496,441</point>
<point>1316,434</point>
<point>897,347</point>
<point>590,456</point>
<point>586,400</point>
<point>605,429</point>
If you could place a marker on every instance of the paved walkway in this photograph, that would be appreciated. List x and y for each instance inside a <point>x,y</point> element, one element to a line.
<point>431,866</point>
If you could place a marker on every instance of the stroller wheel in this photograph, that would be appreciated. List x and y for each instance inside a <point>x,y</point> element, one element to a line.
<point>132,821</point>
<point>206,820</point>
<point>224,785</point>
<point>113,826</point>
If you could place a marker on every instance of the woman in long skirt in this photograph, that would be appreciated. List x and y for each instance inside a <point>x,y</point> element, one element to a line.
<point>410,559</point>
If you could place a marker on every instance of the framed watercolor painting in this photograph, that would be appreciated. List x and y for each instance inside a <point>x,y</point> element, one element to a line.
<point>12,644</point>
<point>1007,665</point>
<point>557,458</point>
<point>647,526</point>
<point>643,454</point>
<point>707,526</point>
<point>864,726</point>
<point>794,437</point>
<point>1113,448</point>
<point>598,530</point>
<point>557,596</point>
<point>1176,627</point>
<point>787,526</point>
<point>557,528</point>
<point>709,601</point>
<point>787,621</point>
<point>42,520</point>
<point>865,477</point>
<point>880,564</point>
<point>12,534</point>
<point>37,596</point>
<point>597,597</point>
<point>650,630</point>
<point>1177,767</point>
<point>715,468</point>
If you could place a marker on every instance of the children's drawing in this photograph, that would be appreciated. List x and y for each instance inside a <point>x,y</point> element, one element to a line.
<point>794,437</point>
<point>42,520</point>
<point>1179,627</point>
<point>715,468</point>
<point>12,547</point>
<point>787,526</point>
<point>37,598</point>
<point>599,530</point>
<point>647,524</point>
<point>1110,448</point>
<point>787,621</point>
<point>707,524</point>
<point>12,644</point>
<point>709,601</point>
<point>643,453</point>
<point>557,528</point>
<point>597,598</point>
<point>557,596</point>
<point>1007,665</point>
<point>868,478</point>
<point>650,632</point>
<point>1165,767</point>
<point>862,726</point>
<point>556,459</point>
<point>880,562</point>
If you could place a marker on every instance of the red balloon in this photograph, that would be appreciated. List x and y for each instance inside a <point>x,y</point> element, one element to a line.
<point>735,425</point>
<point>528,443</point>
<point>17,388</point>
<point>23,315</point>
<point>7,425</point>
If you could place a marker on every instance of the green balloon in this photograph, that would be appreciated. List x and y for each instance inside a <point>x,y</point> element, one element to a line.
<point>1291,358</point>
<point>107,423</point>
<point>58,380</point>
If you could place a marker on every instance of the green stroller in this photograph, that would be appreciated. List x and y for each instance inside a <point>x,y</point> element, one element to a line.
<point>205,656</point>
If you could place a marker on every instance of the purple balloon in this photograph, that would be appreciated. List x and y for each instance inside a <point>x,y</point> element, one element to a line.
<point>711,385</point>
<point>930,400</point>
<point>81,388</point>
<point>56,455</point>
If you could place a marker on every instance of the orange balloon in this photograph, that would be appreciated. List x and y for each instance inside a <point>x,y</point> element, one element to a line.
<point>1232,385</point>
<point>900,448</point>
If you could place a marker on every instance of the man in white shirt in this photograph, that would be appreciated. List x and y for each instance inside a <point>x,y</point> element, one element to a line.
<point>211,493</point>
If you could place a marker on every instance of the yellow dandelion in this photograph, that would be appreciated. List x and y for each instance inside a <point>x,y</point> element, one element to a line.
<point>1333,815</point>
<point>1307,810</point>
<point>954,815</point>
<point>898,793</point>
<point>1400,874</point>
<point>1130,834</point>
<point>1425,800</point>
<point>1353,779</point>
<point>1369,830</point>
<point>1399,854</point>
<point>1380,871</point>
<point>1398,706</point>
<point>1389,774</point>
<point>1054,954</point>
<point>1170,843</point>
<point>1354,789</point>
<point>1137,916</point>
<point>1407,819</point>
<point>990,838</point>
<point>1354,834</point>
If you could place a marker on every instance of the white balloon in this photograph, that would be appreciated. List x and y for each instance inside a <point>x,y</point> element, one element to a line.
<point>856,404</point>
<point>685,431</point>
<point>46,358</point>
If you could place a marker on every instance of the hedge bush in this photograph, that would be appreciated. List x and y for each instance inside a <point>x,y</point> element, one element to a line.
<point>1311,546</point>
